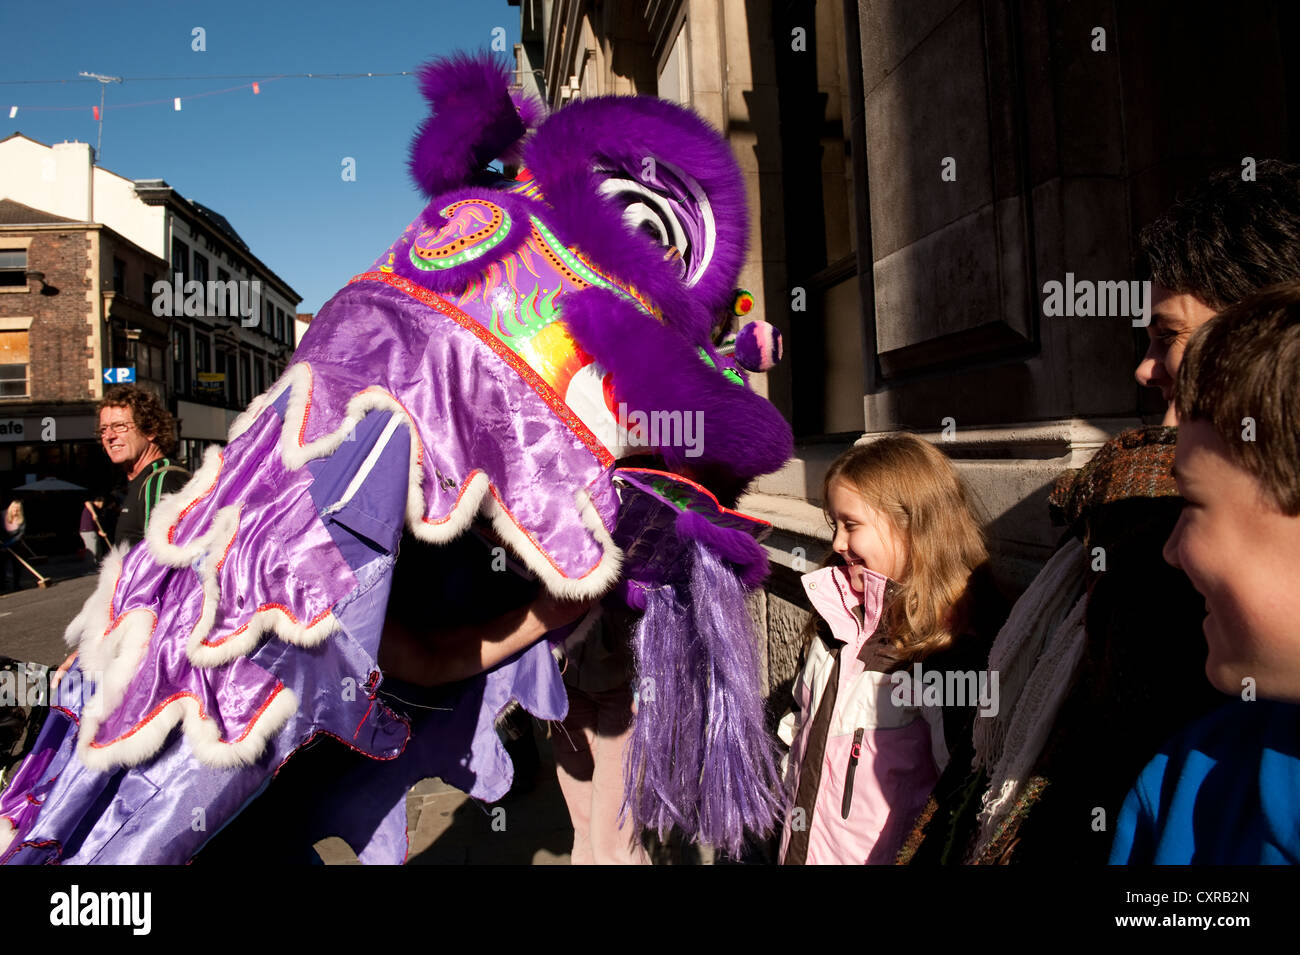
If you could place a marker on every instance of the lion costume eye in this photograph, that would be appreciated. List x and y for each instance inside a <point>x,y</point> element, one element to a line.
<point>649,212</point>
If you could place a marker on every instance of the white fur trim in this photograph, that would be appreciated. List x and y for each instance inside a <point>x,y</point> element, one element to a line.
<point>7,832</point>
<point>94,616</point>
<point>475,496</point>
<point>597,581</point>
<point>111,650</point>
<point>200,732</point>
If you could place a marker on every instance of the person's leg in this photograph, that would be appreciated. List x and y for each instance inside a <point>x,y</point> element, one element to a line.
<point>612,844</point>
<point>571,740</point>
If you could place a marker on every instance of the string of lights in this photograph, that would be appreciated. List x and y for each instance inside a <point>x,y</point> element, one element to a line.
<point>257,78</point>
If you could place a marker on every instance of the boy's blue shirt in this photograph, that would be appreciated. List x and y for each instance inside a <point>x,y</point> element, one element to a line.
<point>1225,791</point>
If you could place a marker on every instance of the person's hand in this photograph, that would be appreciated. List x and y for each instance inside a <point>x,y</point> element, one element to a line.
<point>554,613</point>
<point>64,667</point>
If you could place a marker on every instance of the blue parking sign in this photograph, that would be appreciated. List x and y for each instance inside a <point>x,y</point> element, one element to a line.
<point>119,376</point>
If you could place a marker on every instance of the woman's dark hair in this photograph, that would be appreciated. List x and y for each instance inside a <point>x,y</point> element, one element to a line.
<point>1229,237</point>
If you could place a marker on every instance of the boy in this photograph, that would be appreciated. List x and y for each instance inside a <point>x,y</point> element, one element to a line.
<point>1227,789</point>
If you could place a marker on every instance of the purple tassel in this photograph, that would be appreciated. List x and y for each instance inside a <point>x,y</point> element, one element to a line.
<point>665,751</point>
<point>739,782</point>
<point>701,758</point>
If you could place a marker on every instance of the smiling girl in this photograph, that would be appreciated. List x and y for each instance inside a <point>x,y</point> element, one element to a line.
<point>906,586</point>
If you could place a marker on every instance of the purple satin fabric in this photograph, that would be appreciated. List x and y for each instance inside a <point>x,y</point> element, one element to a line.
<point>472,411</point>
<point>476,413</point>
<point>473,414</point>
<point>367,806</point>
<point>303,574</point>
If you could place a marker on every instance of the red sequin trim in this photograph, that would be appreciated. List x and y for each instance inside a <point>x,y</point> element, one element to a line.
<point>539,548</point>
<point>281,607</point>
<point>363,718</point>
<point>306,410</point>
<point>171,531</point>
<point>177,696</point>
<point>229,544</point>
<point>699,487</point>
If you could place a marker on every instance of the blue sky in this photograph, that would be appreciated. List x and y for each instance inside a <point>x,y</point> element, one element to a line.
<point>271,163</point>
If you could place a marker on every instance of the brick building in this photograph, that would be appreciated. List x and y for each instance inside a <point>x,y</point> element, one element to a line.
<point>84,254</point>
<point>65,312</point>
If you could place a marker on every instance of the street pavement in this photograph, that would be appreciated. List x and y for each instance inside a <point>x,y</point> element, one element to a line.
<point>32,620</point>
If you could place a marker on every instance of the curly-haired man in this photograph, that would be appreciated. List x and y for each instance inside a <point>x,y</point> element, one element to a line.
<point>138,433</point>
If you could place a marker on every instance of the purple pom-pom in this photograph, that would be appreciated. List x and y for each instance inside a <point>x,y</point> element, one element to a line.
<point>758,346</point>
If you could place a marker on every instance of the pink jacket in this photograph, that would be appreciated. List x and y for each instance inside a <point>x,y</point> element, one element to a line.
<point>885,757</point>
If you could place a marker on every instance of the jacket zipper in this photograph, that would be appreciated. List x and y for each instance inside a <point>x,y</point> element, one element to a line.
<point>854,754</point>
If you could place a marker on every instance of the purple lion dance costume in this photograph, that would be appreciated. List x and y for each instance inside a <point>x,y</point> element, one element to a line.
<point>484,366</point>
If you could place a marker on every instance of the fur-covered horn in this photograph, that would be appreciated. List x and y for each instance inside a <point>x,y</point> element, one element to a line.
<point>474,119</point>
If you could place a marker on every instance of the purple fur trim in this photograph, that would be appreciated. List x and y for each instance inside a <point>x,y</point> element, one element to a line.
<point>454,279</point>
<point>626,131</point>
<point>655,369</point>
<point>700,757</point>
<point>474,120</point>
<point>531,112</point>
<point>733,546</point>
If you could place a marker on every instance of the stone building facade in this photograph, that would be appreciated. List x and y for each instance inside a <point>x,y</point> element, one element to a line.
<point>918,170</point>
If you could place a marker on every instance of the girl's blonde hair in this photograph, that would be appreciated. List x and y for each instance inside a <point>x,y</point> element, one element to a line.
<point>916,487</point>
<point>15,510</point>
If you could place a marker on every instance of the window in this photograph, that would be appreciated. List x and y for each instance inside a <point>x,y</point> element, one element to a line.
<point>13,364</point>
<point>13,267</point>
<point>180,257</point>
<point>149,295</point>
<point>181,360</point>
<point>244,377</point>
<point>201,270</point>
<point>280,317</point>
<point>675,77</point>
<point>202,353</point>
<point>226,366</point>
<point>119,276</point>
<point>259,377</point>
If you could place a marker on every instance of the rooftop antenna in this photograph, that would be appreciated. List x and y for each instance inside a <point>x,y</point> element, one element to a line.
<point>103,85</point>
